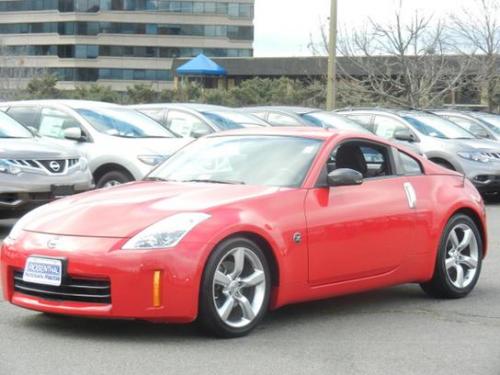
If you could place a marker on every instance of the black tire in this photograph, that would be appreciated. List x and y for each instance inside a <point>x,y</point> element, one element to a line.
<point>118,176</point>
<point>441,286</point>
<point>208,317</point>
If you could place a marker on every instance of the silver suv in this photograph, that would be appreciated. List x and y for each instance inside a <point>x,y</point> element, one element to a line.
<point>481,124</point>
<point>440,140</point>
<point>120,144</point>
<point>34,170</point>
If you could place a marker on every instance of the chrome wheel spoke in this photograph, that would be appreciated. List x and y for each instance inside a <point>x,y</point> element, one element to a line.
<point>239,263</point>
<point>449,263</point>
<point>466,240</point>
<point>254,279</point>
<point>454,239</point>
<point>226,309</point>
<point>246,307</point>
<point>468,261</point>
<point>460,276</point>
<point>222,279</point>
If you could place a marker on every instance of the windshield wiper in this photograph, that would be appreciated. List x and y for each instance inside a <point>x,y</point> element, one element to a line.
<point>229,182</point>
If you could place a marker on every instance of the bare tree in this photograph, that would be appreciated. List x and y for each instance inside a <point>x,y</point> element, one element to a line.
<point>477,29</point>
<point>404,62</point>
<point>14,74</point>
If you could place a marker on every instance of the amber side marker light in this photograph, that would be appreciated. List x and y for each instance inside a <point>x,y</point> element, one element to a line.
<point>156,288</point>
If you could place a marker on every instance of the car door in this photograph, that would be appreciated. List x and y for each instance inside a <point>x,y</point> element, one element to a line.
<point>359,231</point>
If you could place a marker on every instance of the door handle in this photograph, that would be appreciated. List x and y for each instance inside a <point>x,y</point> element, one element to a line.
<point>410,195</point>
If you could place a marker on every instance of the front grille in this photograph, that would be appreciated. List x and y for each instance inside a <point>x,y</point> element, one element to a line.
<point>492,155</point>
<point>54,166</point>
<point>72,289</point>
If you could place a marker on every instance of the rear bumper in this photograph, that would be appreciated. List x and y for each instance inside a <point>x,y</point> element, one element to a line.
<point>130,273</point>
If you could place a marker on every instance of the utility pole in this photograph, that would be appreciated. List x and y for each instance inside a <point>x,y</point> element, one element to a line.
<point>331,93</point>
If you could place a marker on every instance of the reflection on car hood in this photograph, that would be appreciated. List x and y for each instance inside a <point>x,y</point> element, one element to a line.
<point>34,148</point>
<point>124,210</point>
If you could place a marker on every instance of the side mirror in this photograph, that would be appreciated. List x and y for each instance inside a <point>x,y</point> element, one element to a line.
<point>198,133</point>
<point>75,134</point>
<point>344,177</point>
<point>404,135</point>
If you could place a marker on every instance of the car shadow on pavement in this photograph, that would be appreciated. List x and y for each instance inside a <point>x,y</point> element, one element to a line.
<point>402,298</point>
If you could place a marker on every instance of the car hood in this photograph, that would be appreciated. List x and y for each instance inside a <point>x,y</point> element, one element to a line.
<point>475,144</point>
<point>34,148</point>
<point>124,210</point>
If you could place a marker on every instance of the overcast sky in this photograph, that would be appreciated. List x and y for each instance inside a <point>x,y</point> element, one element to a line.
<point>283,27</point>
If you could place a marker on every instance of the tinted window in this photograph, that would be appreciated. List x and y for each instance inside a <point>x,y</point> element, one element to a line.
<point>435,126</point>
<point>278,119</point>
<point>385,127</point>
<point>27,116</point>
<point>53,123</point>
<point>186,124</point>
<point>410,165</point>
<point>470,126</point>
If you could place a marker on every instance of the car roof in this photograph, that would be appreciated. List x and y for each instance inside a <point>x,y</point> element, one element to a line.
<point>297,131</point>
<point>392,111</point>
<point>67,103</point>
<point>192,106</point>
<point>296,110</point>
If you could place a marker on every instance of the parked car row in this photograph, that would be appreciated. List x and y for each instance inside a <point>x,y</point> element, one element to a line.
<point>53,148</point>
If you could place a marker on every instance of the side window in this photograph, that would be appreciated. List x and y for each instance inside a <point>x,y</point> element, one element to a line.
<point>53,123</point>
<point>261,115</point>
<point>364,120</point>
<point>385,127</point>
<point>28,116</point>
<point>410,165</point>
<point>279,119</point>
<point>186,125</point>
<point>470,126</point>
<point>368,158</point>
<point>156,114</point>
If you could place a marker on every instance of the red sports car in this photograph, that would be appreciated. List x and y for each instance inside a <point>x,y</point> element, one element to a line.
<point>241,222</point>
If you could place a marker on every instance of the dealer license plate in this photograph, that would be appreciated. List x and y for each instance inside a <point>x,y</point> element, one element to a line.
<point>43,271</point>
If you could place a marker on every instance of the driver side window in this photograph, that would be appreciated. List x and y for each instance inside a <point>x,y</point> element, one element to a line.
<point>185,124</point>
<point>53,123</point>
<point>386,127</point>
<point>370,159</point>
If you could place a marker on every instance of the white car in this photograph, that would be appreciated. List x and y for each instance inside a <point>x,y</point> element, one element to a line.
<point>121,144</point>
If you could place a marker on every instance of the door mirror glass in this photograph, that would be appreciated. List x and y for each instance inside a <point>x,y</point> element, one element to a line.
<point>404,135</point>
<point>344,177</point>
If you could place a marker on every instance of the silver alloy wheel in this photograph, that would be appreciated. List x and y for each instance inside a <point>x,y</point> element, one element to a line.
<point>462,256</point>
<point>111,183</point>
<point>239,287</point>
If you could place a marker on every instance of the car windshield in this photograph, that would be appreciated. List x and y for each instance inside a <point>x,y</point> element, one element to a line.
<point>330,120</point>
<point>253,160</point>
<point>123,122</point>
<point>10,128</point>
<point>438,127</point>
<point>491,121</point>
<point>241,119</point>
<point>223,120</point>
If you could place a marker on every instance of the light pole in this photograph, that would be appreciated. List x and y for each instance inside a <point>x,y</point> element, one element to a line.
<point>332,53</point>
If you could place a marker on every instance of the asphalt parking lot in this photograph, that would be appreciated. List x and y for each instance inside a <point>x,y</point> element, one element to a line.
<point>392,331</point>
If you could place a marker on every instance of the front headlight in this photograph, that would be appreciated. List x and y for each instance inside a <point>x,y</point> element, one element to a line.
<point>475,156</point>
<point>6,167</point>
<point>151,159</point>
<point>166,233</point>
<point>83,164</point>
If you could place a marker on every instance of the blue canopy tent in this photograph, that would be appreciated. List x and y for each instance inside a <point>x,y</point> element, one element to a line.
<point>203,70</point>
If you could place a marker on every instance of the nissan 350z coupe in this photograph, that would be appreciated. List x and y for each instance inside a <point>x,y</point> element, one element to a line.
<point>245,221</point>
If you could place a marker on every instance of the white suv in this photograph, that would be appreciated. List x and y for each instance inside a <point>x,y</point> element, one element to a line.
<point>121,144</point>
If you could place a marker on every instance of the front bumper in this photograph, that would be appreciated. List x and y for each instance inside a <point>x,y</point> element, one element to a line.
<point>130,275</point>
<point>28,190</point>
<point>484,176</point>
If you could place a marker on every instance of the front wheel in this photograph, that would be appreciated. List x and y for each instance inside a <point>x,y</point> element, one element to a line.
<point>113,178</point>
<point>459,260</point>
<point>235,289</point>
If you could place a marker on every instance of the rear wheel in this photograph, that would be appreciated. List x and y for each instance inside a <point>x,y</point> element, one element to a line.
<point>459,260</point>
<point>234,294</point>
<point>113,178</point>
